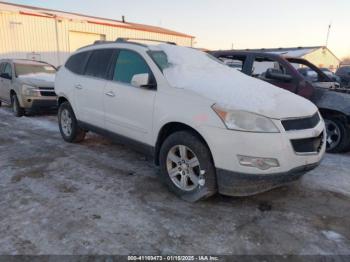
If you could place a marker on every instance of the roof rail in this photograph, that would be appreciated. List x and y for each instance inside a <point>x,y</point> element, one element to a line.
<point>124,40</point>
<point>99,42</point>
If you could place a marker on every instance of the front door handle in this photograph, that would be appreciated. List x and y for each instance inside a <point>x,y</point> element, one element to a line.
<point>110,93</point>
<point>78,86</point>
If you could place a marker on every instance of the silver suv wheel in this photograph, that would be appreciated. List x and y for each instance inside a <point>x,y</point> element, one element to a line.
<point>66,122</point>
<point>183,168</point>
<point>14,107</point>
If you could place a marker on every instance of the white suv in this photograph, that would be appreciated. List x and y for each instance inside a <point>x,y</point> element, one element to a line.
<point>209,127</point>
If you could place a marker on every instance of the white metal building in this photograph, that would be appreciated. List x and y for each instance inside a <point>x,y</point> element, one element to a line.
<point>50,35</point>
<point>320,56</point>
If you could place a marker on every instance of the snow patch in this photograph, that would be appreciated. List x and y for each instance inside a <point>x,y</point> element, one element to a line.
<point>331,235</point>
<point>5,112</point>
<point>41,123</point>
<point>332,175</point>
<point>197,71</point>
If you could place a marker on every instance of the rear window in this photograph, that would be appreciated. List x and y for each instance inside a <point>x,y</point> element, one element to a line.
<point>76,63</point>
<point>98,63</point>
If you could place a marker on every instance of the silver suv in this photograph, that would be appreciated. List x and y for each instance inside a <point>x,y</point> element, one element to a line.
<point>27,84</point>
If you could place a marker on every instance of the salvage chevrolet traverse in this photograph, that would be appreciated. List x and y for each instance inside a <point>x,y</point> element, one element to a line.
<point>207,134</point>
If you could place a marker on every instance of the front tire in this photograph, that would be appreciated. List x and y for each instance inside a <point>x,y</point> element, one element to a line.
<point>338,135</point>
<point>186,166</point>
<point>18,111</point>
<point>68,124</point>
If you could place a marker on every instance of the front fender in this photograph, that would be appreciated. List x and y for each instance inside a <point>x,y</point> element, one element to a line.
<point>332,100</point>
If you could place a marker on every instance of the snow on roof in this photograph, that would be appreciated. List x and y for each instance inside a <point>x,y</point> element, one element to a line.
<point>290,51</point>
<point>49,13</point>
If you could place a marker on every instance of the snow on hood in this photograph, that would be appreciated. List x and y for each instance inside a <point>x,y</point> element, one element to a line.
<point>197,71</point>
<point>38,79</point>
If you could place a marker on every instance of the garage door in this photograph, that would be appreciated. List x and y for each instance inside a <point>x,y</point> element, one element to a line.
<point>79,39</point>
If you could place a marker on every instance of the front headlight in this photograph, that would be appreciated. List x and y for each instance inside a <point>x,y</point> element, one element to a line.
<point>28,90</point>
<point>245,121</point>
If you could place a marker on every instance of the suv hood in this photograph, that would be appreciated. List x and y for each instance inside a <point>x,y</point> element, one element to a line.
<point>199,72</point>
<point>38,79</point>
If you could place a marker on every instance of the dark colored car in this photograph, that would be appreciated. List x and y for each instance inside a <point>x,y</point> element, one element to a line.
<point>331,75</point>
<point>333,102</point>
<point>312,76</point>
<point>344,73</point>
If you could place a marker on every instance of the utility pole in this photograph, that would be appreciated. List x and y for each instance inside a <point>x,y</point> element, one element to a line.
<point>329,31</point>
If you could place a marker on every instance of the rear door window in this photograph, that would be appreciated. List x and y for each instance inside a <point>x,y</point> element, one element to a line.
<point>77,62</point>
<point>99,62</point>
<point>128,64</point>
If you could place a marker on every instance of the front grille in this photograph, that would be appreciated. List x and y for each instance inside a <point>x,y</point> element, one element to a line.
<point>47,91</point>
<point>308,145</point>
<point>301,123</point>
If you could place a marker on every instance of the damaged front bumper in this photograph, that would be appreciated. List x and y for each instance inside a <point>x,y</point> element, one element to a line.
<point>240,184</point>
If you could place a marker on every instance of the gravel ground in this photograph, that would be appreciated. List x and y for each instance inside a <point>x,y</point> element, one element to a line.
<point>99,197</point>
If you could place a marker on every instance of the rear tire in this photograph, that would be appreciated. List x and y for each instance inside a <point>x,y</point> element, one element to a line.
<point>68,124</point>
<point>186,166</point>
<point>17,109</point>
<point>338,135</point>
<point>0,103</point>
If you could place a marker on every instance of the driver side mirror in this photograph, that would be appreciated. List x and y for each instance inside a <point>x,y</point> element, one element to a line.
<point>6,76</point>
<point>275,74</point>
<point>141,80</point>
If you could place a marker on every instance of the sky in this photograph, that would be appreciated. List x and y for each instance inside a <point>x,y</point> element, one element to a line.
<point>221,24</point>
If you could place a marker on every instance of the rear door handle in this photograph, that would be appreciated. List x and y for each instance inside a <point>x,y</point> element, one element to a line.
<point>110,93</point>
<point>78,86</point>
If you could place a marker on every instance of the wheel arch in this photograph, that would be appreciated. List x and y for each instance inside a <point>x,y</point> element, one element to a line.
<point>61,100</point>
<point>327,113</point>
<point>170,128</point>
<point>12,92</point>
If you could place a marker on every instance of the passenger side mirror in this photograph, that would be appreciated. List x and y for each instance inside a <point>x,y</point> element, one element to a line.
<point>141,80</point>
<point>276,74</point>
<point>6,76</point>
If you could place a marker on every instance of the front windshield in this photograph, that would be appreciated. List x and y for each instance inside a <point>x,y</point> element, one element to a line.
<point>27,69</point>
<point>160,58</point>
<point>309,71</point>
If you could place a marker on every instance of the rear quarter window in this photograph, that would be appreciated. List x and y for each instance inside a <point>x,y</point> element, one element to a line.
<point>77,62</point>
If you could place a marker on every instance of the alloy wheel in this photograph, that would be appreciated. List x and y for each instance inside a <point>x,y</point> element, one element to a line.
<point>14,105</point>
<point>333,134</point>
<point>184,168</point>
<point>66,122</point>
